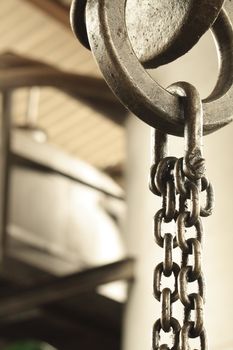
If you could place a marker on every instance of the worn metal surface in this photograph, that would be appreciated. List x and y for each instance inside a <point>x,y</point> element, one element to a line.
<point>188,221</point>
<point>124,73</point>
<point>160,31</point>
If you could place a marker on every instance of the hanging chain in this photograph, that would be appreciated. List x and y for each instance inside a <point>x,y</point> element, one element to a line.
<point>180,182</point>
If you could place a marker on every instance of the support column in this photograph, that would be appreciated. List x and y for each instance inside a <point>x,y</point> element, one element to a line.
<point>4,167</point>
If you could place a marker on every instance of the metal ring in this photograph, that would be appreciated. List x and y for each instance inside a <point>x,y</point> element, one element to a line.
<point>156,334</point>
<point>158,219</point>
<point>176,35</point>
<point>181,221</point>
<point>157,282</point>
<point>185,298</point>
<point>137,90</point>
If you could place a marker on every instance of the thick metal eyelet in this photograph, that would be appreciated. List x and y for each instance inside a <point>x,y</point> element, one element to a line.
<point>158,41</point>
<point>110,44</point>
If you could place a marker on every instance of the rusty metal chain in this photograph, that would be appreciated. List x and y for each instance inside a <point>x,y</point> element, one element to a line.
<point>180,182</point>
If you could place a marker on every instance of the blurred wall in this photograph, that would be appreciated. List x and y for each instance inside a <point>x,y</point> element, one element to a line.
<point>200,68</point>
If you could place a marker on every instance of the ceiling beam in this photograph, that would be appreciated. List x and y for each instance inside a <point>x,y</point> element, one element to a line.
<point>18,72</point>
<point>62,288</point>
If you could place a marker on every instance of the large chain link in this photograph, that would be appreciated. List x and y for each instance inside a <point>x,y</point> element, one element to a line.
<point>179,182</point>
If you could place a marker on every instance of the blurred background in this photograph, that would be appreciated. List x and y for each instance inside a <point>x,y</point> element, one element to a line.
<point>75,209</point>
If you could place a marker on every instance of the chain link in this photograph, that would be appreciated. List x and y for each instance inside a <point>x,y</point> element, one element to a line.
<point>180,182</point>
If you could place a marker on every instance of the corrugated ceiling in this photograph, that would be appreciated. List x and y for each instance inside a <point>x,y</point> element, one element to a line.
<point>70,124</point>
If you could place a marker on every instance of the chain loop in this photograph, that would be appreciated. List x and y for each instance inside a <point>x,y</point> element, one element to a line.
<point>186,335</point>
<point>198,325</point>
<point>158,220</point>
<point>181,231</point>
<point>175,326</point>
<point>166,309</point>
<point>194,163</point>
<point>208,208</point>
<point>169,201</point>
<point>196,250</point>
<point>160,149</point>
<point>194,213</point>
<point>180,177</point>
<point>168,261</point>
<point>159,271</point>
<point>184,279</point>
<point>152,184</point>
<point>163,173</point>
<point>164,347</point>
<point>184,179</point>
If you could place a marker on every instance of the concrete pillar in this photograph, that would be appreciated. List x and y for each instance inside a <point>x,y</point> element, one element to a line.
<point>200,68</point>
